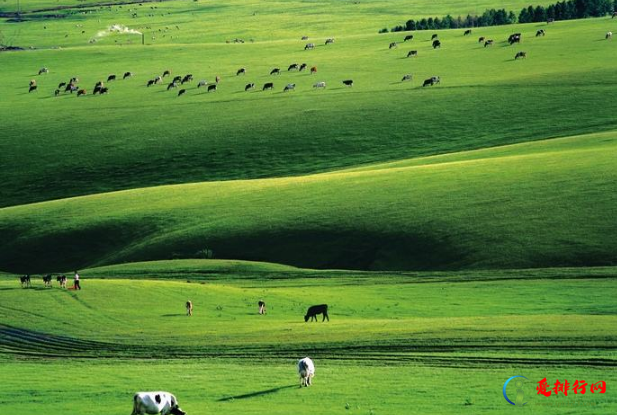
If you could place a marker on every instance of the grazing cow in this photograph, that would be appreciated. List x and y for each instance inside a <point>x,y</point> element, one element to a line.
<point>249,86</point>
<point>61,280</point>
<point>412,53</point>
<point>275,71</point>
<point>309,46</point>
<point>522,55</point>
<point>32,88</point>
<point>330,40</point>
<point>406,78</point>
<point>69,87</point>
<point>431,81</point>
<point>408,37</point>
<point>166,73</point>
<point>434,36</point>
<point>104,90</point>
<point>540,32</point>
<point>262,306</point>
<point>268,85</point>
<point>177,79</point>
<point>392,45</point>
<point>313,70</point>
<point>61,84</point>
<point>181,92</point>
<point>163,403</point>
<point>319,85</point>
<point>57,92</point>
<point>43,70</point>
<point>348,82</point>
<point>81,92</point>
<point>111,78</point>
<point>609,35</point>
<point>302,67</point>
<point>158,80</point>
<point>25,281</point>
<point>289,87</point>
<point>436,44</point>
<point>317,309</point>
<point>212,88</point>
<point>74,80</point>
<point>150,82</point>
<point>174,85</point>
<point>47,280</point>
<point>32,83</point>
<point>97,88</point>
<point>201,83</point>
<point>241,71</point>
<point>306,370</point>
<point>305,37</point>
<point>550,20</point>
<point>293,66</point>
<point>127,75</point>
<point>467,32</point>
<point>189,308</point>
<point>488,43</point>
<point>99,84</point>
<point>514,38</point>
<point>481,39</point>
<point>187,78</point>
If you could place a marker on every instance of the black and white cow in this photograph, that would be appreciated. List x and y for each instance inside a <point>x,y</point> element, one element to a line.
<point>249,86</point>
<point>61,280</point>
<point>47,280</point>
<point>408,37</point>
<point>289,87</point>
<point>163,403</point>
<point>25,281</point>
<point>268,85</point>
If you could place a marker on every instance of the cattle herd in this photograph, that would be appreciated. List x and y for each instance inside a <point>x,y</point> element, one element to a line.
<point>26,281</point>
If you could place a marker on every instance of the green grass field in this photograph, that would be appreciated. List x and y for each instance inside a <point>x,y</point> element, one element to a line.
<point>461,233</point>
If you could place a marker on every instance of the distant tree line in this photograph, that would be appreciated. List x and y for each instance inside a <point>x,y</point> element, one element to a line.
<point>563,10</point>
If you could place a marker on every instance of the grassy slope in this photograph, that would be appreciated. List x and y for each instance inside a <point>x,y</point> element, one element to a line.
<point>417,339</point>
<point>529,205</point>
<point>486,99</point>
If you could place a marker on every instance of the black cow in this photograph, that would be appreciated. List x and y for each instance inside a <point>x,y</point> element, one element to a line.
<point>181,92</point>
<point>177,79</point>
<point>171,85</point>
<point>467,32</point>
<point>522,55</point>
<point>61,84</point>
<point>47,280</point>
<point>249,86</point>
<point>111,78</point>
<point>293,66</point>
<point>406,78</point>
<point>408,37</point>
<point>431,81</point>
<point>241,71</point>
<point>481,39</point>
<point>166,73</point>
<point>348,82</point>
<point>302,67</point>
<point>392,45</point>
<point>275,71</point>
<point>268,85</point>
<point>436,44</point>
<point>329,41</point>
<point>412,53</point>
<point>97,88</point>
<point>317,309</point>
<point>434,36</point>
<point>25,281</point>
<point>187,78</point>
<point>57,92</point>
<point>127,75</point>
<point>212,88</point>
<point>540,32</point>
<point>488,43</point>
<point>32,88</point>
<point>150,82</point>
<point>104,90</point>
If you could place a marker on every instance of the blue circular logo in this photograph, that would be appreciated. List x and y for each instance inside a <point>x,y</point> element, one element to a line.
<point>520,394</point>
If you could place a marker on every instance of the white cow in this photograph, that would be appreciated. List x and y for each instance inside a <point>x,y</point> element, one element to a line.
<point>163,403</point>
<point>306,369</point>
<point>319,85</point>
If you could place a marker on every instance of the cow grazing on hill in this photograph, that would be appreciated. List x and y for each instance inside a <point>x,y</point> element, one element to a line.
<point>392,45</point>
<point>81,92</point>
<point>212,88</point>
<point>249,86</point>
<point>47,280</point>
<point>329,41</point>
<point>319,85</point>
<point>488,43</point>
<point>275,71</point>
<point>163,403</point>
<point>127,75</point>
<point>97,88</point>
<point>521,55</point>
<point>56,92</point>
<point>189,308</point>
<point>514,38</point>
<point>158,79</point>
<point>150,82</point>
<point>312,312</point>
<point>25,281</point>
<point>434,36</point>
<point>174,85</point>
<point>61,280</point>
<point>305,38</point>
<point>412,53</point>
<point>166,73</point>
<point>43,70</point>
<point>111,78</point>
<point>431,81</point>
<point>177,79</point>
<point>289,87</point>
<point>467,32</point>
<point>302,67</point>
<point>540,32</point>
<point>61,84</point>
<point>609,35</point>
<point>309,46</point>
<point>481,39</point>
<point>306,370</point>
<point>348,82</point>
<point>436,44</point>
<point>103,90</point>
<point>406,78</point>
<point>313,69</point>
<point>187,78</point>
<point>201,83</point>
<point>408,37</point>
<point>268,85</point>
<point>181,92</point>
<point>292,67</point>
<point>241,71</point>
<point>32,88</point>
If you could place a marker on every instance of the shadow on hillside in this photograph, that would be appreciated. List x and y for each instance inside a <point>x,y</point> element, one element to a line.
<point>254,394</point>
<point>173,315</point>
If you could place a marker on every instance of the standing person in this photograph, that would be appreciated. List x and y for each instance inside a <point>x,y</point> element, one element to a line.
<point>262,307</point>
<point>76,281</point>
<point>189,308</point>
